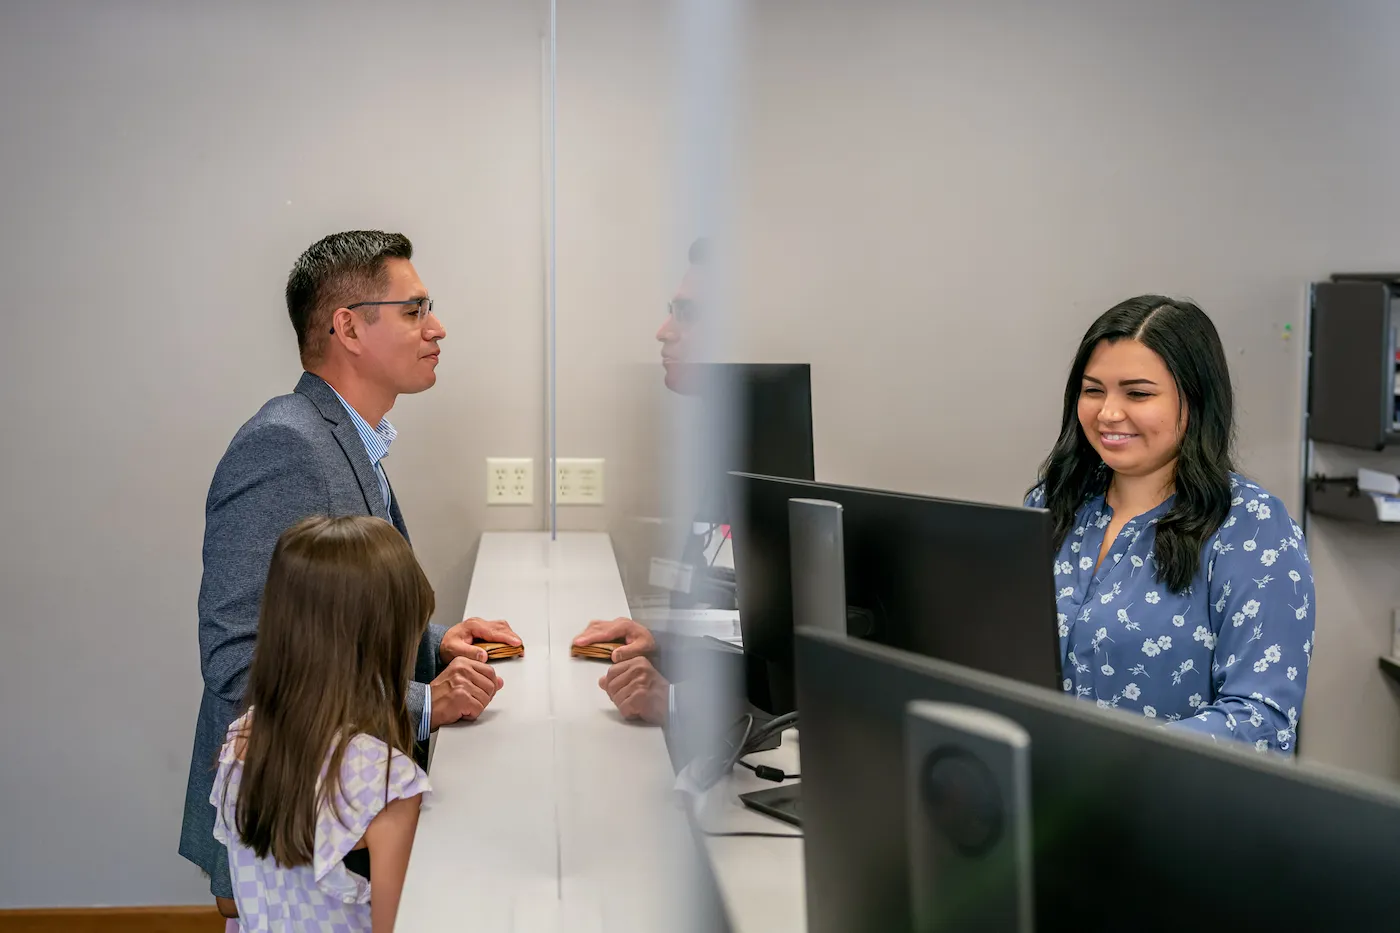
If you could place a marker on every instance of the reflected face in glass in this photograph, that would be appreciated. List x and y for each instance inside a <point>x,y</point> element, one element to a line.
<point>679,335</point>
<point>1130,408</point>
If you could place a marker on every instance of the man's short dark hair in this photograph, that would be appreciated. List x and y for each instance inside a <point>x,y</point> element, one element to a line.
<point>335,271</point>
<point>700,251</point>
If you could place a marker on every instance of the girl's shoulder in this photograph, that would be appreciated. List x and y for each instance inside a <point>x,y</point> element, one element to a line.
<point>372,774</point>
<point>370,767</point>
<point>235,739</point>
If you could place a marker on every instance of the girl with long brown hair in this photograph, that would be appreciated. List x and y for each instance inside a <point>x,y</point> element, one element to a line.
<point>319,773</point>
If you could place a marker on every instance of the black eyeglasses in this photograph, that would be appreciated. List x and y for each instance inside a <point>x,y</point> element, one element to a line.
<point>684,310</point>
<point>424,306</point>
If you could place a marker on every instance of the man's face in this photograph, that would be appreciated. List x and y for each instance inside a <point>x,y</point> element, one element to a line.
<point>680,333</point>
<point>399,351</point>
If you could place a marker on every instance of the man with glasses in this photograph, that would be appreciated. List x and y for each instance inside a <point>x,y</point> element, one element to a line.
<point>678,333</point>
<point>367,334</point>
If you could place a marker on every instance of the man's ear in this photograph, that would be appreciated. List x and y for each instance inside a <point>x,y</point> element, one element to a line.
<point>343,329</point>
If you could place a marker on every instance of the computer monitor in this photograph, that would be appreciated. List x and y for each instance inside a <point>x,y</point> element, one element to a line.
<point>960,581</point>
<point>754,417</point>
<point>760,416</point>
<point>1134,826</point>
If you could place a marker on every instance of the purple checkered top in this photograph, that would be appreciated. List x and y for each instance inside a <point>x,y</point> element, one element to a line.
<point>323,897</point>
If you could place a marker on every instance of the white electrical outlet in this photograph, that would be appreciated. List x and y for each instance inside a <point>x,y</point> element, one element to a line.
<point>510,481</point>
<point>579,481</point>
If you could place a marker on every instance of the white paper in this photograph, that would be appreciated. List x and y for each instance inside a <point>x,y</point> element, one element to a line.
<point>670,575</point>
<point>1376,481</point>
<point>1387,507</point>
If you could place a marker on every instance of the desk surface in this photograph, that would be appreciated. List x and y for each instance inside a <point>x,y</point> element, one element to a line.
<point>553,813</point>
<point>760,880</point>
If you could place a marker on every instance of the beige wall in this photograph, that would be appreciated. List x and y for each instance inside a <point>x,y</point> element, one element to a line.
<point>163,165</point>
<point>940,198</point>
<point>934,201</point>
<point>1003,172</point>
<point>618,258</point>
<point>1352,717</point>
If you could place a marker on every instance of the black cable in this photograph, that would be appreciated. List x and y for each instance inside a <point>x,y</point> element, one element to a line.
<point>710,770</point>
<point>693,819</point>
<point>709,535</point>
<point>754,835</point>
<point>768,773</point>
<point>775,726</point>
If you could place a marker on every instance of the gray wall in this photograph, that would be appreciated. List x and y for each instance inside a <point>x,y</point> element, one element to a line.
<point>163,165</point>
<point>940,198</point>
<point>934,201</point>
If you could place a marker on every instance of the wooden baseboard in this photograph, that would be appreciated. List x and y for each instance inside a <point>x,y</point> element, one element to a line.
<point>113,920</point>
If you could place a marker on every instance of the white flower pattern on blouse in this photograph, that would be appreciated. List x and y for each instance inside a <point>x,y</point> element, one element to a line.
<point>1228,657</point>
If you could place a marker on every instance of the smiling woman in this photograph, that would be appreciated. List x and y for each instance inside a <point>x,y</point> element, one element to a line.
<point>1184,590</point>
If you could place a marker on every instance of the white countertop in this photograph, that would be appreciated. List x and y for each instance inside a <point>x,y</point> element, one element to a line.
<point>552,812</point>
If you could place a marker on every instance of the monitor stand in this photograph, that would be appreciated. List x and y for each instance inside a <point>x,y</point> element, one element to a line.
<point>818,601</point>
<point>782,803</point>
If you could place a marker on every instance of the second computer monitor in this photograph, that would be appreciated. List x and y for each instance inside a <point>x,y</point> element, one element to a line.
<point>1135,826</point>
<point>959,581</point>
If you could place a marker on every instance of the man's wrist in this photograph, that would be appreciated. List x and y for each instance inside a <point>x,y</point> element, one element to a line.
<point>425,724</point>
<point>443,655</point>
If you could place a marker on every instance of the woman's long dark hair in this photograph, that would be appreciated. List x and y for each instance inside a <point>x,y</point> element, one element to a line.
<point>1183,336</point>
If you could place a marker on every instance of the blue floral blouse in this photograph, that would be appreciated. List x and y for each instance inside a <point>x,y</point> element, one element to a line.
<point>1229,657</point>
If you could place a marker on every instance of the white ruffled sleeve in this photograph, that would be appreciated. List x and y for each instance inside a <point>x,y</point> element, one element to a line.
<point>366,787</point>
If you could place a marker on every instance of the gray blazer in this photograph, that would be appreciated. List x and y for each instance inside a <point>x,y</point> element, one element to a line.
<point>298,456</point>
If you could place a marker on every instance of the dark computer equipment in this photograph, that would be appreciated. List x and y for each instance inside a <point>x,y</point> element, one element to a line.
<point>759,418</point>
<point>770,415</point>
<point>961,581</point>
<point>782,803</point>
<point>756,418</point>
<point>1134,826</point>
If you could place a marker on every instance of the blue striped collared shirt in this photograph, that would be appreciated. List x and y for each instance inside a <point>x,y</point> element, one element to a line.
<point>377,440</point>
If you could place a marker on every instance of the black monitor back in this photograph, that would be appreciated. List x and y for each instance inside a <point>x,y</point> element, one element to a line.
<point>760,417</point>
<point>1136,827</point>
<point>960,581</point>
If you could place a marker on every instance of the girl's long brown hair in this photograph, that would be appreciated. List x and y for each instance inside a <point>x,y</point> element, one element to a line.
<point>342,614</point>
